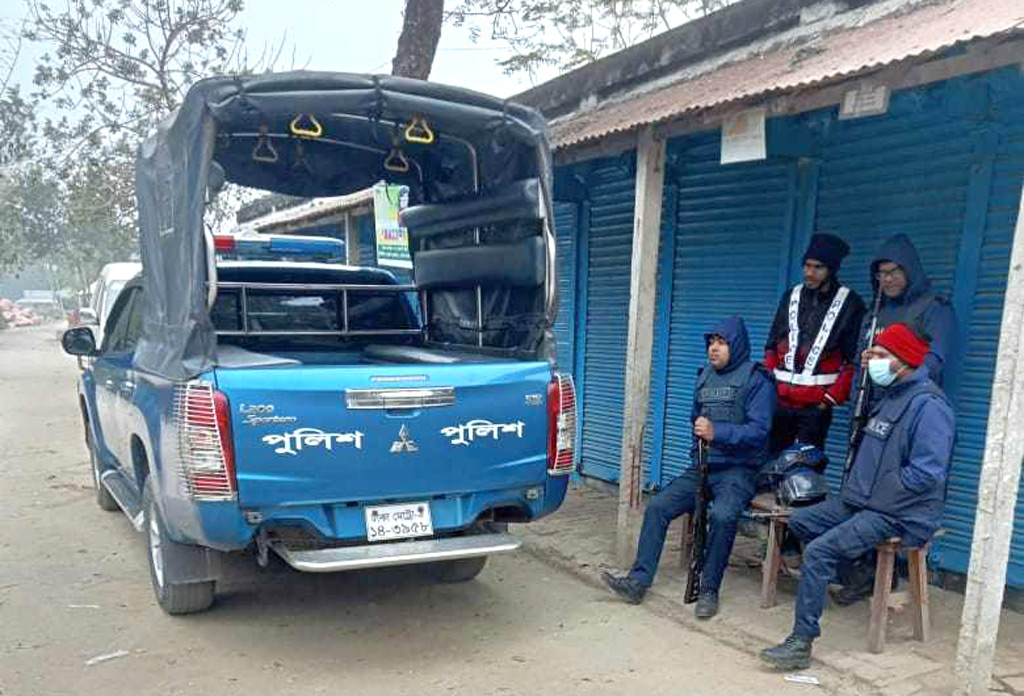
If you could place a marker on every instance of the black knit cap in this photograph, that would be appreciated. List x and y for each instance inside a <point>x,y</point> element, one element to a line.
<point>828,249</point>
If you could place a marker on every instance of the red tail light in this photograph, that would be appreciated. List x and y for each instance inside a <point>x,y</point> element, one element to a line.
<point>561,425</point>
<point>207,457</point>
<point>223,242</point>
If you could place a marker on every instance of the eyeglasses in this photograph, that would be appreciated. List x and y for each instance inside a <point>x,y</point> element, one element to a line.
<point>892,273</point>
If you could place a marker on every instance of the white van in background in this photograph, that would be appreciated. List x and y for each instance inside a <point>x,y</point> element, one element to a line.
<point>105,290</point>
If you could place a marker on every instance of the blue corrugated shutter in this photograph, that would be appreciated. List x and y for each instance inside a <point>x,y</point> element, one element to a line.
<point>367,240</point>
<point>912,172</point>
<point>610,248</point>
<point>733,227</point>
<point>1001,219</point>
<point>905,173</point>
<point>566,224</point>
<point>1006,89</point>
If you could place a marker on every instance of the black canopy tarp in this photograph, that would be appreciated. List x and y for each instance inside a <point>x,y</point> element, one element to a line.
<point>245,125</point>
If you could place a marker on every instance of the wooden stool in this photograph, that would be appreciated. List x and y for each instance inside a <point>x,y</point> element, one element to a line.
<point>881,599</point>
<point>765,506</point>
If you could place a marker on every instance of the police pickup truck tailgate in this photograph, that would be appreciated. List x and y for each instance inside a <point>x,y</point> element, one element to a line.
<point>325,434</point>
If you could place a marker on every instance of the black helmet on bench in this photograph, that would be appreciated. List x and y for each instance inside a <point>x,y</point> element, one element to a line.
<point>793,457</point>
<point>802,486</point>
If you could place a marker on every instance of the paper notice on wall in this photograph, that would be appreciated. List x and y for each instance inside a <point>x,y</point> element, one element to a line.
<point>866,100</point>
<point>743,137</point>
<point>392,239</point>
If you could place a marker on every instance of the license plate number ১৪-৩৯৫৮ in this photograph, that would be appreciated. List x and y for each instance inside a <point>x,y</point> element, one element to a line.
<point>387,522</point>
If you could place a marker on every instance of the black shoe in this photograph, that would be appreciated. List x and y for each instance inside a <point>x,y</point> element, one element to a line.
<point>862,588</point>
<point>625,587</point>
<point>792,653</point>
<point>707,605</point>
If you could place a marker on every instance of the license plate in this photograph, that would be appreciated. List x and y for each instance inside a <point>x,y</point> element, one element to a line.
<point>386,522</point>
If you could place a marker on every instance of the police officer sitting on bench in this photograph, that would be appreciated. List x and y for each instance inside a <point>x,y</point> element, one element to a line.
<point>733,406</point>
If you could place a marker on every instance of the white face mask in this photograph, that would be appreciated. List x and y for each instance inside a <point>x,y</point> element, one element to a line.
<point>880,371</point>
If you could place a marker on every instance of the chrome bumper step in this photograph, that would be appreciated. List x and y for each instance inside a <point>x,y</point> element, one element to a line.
<point>398,553</point>
<point>123,492</point>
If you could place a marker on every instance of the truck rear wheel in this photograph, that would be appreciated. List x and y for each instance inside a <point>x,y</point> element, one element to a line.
<point>173,597</point>
<point>103,497</point>
<point>462,570</point>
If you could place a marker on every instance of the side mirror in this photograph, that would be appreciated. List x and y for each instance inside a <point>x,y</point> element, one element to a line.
<point>79,341</point>
<point>87,316</point>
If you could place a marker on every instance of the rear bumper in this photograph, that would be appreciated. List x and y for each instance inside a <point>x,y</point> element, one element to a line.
<point>399,553</point>
<point>225,527</point>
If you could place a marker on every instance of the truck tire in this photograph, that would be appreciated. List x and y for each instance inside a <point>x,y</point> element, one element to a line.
<point>103,497</point>
<point>462,570</point>
<point>173,597</point>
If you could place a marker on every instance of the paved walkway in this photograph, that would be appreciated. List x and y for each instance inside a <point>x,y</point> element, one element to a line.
<point>580,538</point>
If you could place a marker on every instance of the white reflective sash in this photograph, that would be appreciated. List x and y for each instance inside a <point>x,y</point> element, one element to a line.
<point>804,380</point>
<point>826,330</point>
<point>818,348</point>
<point>794,328</point>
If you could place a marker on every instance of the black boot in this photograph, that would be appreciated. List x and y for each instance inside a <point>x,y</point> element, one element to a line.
<point>707,605</point>
<point>625,587</point>
<point>792,653</point>
<point>860,588</point>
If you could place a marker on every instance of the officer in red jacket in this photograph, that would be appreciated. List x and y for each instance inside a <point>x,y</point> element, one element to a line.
<point>812,347</point>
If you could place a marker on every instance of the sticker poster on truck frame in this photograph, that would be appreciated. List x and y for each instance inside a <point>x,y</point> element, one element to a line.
<point>392,239</point>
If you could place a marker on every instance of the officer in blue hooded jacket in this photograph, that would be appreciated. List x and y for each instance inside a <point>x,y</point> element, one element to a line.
<point>896,486</point>
<point>909,298</point>
<point>733,407</point>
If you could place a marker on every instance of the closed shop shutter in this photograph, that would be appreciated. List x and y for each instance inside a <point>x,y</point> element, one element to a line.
<point>983,335</point>
<point>912,172</point>
<point>610,248</point>
<point>1006,90</point>
<point>733,225</point>
<point>367,240</point>
<point>566,224</point>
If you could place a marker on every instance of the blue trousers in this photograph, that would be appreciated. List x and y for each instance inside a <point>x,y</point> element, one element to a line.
<point>732,489</point>
<point>832,532</point>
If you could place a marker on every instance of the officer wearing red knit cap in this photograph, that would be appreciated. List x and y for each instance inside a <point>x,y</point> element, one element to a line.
<point>896,486</point>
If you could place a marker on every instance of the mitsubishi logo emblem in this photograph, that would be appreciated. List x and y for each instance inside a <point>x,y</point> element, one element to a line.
<point>404,443</point>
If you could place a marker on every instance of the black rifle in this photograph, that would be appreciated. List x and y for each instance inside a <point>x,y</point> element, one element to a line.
<point>700,524</point>
<point>860,416</point>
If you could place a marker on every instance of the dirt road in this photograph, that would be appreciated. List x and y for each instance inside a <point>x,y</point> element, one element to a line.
<point>74,586</point>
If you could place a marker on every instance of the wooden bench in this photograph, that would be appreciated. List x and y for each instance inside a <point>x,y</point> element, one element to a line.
<point>766,507</point>
<point>763,506</point>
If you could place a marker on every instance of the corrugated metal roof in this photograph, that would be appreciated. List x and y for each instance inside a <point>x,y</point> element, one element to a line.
<point>828,57</point>
<point>310,212</point>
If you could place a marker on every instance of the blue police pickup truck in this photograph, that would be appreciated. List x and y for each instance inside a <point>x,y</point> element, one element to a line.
<point>322,412</point>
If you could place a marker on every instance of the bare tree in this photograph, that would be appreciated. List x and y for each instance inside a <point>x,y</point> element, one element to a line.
<point>16,113</point>
<point>122,65</point>
<point>421,31</point>
<point>564,34</point>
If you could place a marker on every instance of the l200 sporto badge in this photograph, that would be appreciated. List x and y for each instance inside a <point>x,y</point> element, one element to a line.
<point>404,443</point>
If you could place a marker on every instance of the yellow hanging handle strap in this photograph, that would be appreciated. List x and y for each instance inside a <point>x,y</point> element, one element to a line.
<point>310,128</point>
<point>419,131</point>
<point>396,161</point>
<point>264,150</point>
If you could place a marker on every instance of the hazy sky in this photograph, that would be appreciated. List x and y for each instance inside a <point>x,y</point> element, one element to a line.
<point>350,36</point>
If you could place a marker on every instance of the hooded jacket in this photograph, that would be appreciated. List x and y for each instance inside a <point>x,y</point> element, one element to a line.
<point>919,306</point>
<point>741,435</point>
